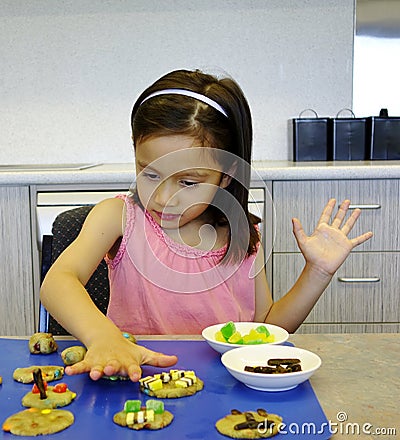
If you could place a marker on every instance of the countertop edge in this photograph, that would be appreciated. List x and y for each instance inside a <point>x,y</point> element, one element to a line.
<point>124,173</point>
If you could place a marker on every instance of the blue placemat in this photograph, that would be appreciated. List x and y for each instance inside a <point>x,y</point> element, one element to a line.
<point>194,416</point>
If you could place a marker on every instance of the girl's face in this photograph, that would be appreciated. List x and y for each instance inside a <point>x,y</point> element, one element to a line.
<point>176,178</point>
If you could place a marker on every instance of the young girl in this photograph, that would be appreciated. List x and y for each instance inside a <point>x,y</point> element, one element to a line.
<point>182,249</point>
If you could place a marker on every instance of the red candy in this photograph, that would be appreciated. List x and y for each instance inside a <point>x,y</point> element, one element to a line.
<point>60,388</point>
<point>35,389</point>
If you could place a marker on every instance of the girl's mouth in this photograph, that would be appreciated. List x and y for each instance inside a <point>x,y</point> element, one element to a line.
<point>167,217</point>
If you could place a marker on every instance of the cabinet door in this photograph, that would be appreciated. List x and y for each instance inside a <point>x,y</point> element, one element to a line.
<point>379,201</point>
<point>364,290</point>
<point>16,287</point>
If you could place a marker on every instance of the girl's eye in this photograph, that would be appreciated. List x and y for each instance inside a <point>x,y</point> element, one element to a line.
<point>189,183</point>
<point>150,176</point>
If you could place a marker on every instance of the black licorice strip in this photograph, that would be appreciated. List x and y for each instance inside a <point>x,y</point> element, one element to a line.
<point>251,422</point>
<point>38,378</point>
<point>283,361</point>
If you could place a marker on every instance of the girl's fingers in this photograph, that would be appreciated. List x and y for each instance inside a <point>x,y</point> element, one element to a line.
<point>327,212</point>
<point>361,239</point>
<point>96,373</point>
<point>159,359</point>
<point>298,230</point>
<point>134,372</point>
<point>128,365</point>
<point>348,226</point>
<point>341,214</point>
<point>113,367</point>
<point>78,368</point>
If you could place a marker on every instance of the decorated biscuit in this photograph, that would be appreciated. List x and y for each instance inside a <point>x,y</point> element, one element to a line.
<point>250,424</point>
<point>74,354</point>
<point>49,373</point>
<point>56,397</point>
<point>34,421</point>
<point>45,397</point>
<point>175,383</point>
<point>42,343</point>
<point>135,416</point>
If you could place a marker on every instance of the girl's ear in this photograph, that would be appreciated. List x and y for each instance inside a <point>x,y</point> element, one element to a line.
<point>227,177</point>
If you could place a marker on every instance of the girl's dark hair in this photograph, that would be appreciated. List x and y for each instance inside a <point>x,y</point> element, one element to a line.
<point>173,114</point>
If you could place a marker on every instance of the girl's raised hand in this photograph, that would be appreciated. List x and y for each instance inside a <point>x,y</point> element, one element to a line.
<point>329,245</point>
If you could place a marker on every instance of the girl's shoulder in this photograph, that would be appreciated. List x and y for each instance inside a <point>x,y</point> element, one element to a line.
<point>122,209</point>
<point>109,207</point>
<point>116,204</point>
<point>105,217</point>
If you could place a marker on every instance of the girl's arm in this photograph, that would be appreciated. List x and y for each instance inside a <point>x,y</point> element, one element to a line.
<point>64,296</point>
<point>324,251</point>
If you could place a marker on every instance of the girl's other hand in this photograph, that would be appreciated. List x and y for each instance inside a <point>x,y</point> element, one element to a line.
<point>118,357</point>
<point>328,246</point>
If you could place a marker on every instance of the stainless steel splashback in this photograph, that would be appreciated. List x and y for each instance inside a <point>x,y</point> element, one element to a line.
<point>376,72</point>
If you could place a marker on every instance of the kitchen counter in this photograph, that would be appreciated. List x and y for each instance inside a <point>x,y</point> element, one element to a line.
<point>264,170</point>
<point>358,382</point>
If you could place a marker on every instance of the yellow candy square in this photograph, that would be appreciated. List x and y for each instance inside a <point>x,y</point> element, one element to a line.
<point>155,385</point>
<point>150,415</point>
<point>181,384</point>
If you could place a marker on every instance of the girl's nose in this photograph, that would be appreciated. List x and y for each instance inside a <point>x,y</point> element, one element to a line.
<point>164,194</point>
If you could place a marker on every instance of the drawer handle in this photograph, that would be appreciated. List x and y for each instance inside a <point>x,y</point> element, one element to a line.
<point>369,206</point>
<point>359,280</point>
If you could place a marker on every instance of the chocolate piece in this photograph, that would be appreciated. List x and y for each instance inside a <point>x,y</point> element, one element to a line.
<point>278,361</point>
<point>276,366</point>
<point>262,412</point>
<point>38,379</point>
<point>264,370</point>
<point>293,368</point>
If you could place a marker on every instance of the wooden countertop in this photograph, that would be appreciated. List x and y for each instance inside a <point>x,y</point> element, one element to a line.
<point>358,381</point>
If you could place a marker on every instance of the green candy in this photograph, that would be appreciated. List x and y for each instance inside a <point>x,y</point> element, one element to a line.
<point>228,330</point>
<point>262,329</point>
<point>156,405</point>
<point>132,406</point>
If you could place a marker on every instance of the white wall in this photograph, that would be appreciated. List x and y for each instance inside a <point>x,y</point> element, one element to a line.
<point>70,70</point>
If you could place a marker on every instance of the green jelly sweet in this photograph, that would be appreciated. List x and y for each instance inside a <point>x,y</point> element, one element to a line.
<point>156,405</point>
<point>263,329</point>
<point>132,406</point>
<point>228,330</point>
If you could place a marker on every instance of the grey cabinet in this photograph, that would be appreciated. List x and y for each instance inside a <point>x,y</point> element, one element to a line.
<point>364,294</point>
<point>16,294</point>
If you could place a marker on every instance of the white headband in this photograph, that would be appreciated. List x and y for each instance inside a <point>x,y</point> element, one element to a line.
<point>189,93</point>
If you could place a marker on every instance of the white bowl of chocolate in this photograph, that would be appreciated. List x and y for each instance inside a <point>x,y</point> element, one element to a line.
<point>271,367</point>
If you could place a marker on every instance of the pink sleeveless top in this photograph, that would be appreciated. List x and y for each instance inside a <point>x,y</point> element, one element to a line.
<point>159,286</point>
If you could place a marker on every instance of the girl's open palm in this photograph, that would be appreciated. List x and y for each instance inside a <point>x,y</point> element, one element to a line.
<point>329,245</point>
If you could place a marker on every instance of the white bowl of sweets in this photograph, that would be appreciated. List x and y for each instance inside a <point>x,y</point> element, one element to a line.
<point>271,368</point>
<point>225,337</point>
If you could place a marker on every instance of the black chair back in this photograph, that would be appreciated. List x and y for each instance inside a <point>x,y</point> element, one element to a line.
<point>65,229</point>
